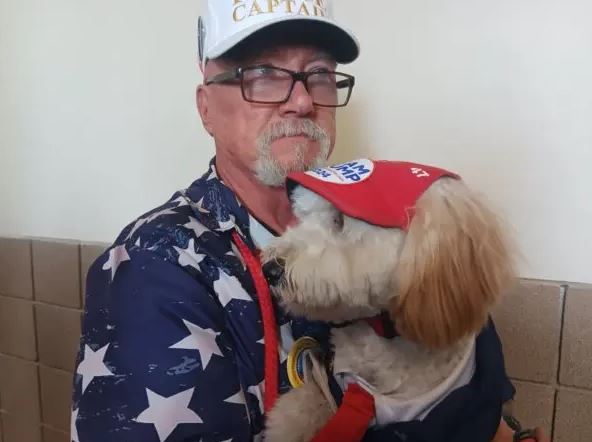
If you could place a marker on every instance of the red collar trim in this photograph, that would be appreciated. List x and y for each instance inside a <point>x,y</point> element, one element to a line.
<point>382,325</point>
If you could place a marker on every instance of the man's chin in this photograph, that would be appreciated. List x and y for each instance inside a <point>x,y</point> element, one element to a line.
<point>273,173</point>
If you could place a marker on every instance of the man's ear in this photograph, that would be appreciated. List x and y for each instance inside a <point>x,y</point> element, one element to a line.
<point>202,101</point>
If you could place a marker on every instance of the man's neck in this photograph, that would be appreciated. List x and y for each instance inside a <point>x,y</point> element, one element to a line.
<point>270,205</point>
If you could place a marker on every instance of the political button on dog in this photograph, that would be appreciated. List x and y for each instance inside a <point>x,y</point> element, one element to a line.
<point>351,172</point>
<point>299,358</point>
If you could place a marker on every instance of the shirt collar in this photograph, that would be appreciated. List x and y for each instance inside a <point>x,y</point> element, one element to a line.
<point>260,234</point>
<point>215,204</point>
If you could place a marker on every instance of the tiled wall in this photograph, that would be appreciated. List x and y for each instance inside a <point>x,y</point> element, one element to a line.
<point>546,328</point>
<point>40,312</point>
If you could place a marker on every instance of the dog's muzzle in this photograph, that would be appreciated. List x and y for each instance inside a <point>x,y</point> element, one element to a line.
<point>274,271</point>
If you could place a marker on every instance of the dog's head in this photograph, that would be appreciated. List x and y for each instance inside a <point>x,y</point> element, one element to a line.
<point>436,257</point>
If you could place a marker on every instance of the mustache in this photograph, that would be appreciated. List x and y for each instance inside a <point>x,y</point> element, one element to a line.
<point>291,128</point>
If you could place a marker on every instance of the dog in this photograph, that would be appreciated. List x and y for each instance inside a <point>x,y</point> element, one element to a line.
<point>407,241</point>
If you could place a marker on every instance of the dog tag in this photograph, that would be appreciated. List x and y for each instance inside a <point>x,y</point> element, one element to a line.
<point>299,359</point>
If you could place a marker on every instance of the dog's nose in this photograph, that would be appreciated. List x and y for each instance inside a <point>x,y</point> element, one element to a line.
<point>274,271</point>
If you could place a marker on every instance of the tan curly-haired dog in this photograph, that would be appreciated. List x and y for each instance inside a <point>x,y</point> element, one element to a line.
<point>436,258</point>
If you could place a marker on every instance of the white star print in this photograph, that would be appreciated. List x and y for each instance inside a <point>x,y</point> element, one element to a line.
<point>196,226</point>
<point>117,255</point>
<point>202,340</point>
<point>228,288</point>
<point>188,257</point>
<point>149,219</point>
<point>92,366</point>
<point>286,342</point>
<point>213,173</point>
<point>235,252</point>
<point>258,391</point>
<point>181,201</point>
<point>165,413</point>
<point>73,429</point>
<point>223,226</point>
<point>200,207</point>
<point>239,399</point>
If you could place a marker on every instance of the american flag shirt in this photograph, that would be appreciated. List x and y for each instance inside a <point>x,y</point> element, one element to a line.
<point>172,345</point>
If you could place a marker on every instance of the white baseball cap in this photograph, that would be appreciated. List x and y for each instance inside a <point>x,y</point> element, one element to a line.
<point>227,23</point>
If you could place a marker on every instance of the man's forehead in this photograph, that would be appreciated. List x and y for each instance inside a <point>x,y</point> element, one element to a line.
<point>274,44</point>
<point>309,53</point>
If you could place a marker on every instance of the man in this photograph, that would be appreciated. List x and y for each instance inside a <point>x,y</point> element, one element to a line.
<point>173,344</point>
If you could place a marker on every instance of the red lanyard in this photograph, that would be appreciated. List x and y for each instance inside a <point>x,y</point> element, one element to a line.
<point>357,410</point>
<point>270,335</point>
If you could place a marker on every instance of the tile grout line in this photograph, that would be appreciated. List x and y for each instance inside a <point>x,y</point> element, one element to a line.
<point>37,363</point>
<point>51,427</point>
<point>35,337</point>
<point>80,288</point>
<point>33,288</point>
<point>564,294</point>
<point>36,302</point>
<point>554,414</point>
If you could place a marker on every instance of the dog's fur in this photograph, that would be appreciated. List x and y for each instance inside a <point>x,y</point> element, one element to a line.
<point>439,280</point>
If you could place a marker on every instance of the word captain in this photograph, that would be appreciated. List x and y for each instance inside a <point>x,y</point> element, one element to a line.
<point>248,8</point>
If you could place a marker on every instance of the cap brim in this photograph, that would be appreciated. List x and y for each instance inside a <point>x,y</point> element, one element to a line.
<point>338,41</point>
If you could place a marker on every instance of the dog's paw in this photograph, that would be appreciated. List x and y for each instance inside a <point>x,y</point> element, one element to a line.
<point>298,415</point>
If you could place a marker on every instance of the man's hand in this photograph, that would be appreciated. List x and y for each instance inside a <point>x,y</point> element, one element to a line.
<point>506,434</point>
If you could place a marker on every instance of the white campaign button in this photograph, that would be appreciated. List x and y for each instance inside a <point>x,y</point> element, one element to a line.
<point>351,172</point>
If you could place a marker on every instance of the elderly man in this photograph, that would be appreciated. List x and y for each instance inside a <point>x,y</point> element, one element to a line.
<point>174,346</point>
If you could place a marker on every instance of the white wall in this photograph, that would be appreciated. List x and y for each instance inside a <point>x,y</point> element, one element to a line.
<point>98,123</point>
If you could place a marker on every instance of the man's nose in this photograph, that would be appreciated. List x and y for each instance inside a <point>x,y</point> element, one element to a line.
<point>274,271</point>
<point>299,102</point>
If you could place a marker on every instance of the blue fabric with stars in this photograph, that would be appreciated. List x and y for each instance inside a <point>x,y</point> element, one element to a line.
<point>172,341</point>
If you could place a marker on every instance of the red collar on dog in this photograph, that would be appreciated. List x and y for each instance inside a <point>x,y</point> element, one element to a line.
<point>382,325</point>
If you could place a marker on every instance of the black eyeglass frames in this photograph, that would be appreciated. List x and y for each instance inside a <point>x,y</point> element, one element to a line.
<point>273,85</point>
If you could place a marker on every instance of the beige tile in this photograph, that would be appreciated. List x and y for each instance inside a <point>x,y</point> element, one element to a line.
<point>529,322</point>
<point>573,418</point>
<point>533,405</point>
<point>52,435</point>
<point>89,252</point>
<point>16,277</point>
<point>56,397</point>
<point>19,388</point>
<point>576,348</point>
<point>17,329</point>
<point>58,335</point>
<point>19,429</point>
<point>56,271</point>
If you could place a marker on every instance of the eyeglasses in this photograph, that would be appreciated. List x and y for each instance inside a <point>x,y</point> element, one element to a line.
<point>272,85</point>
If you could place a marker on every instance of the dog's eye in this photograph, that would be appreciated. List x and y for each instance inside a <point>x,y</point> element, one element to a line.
<point>338,221</point>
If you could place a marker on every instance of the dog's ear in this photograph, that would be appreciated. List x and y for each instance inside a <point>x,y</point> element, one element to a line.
<point>455,263</point>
